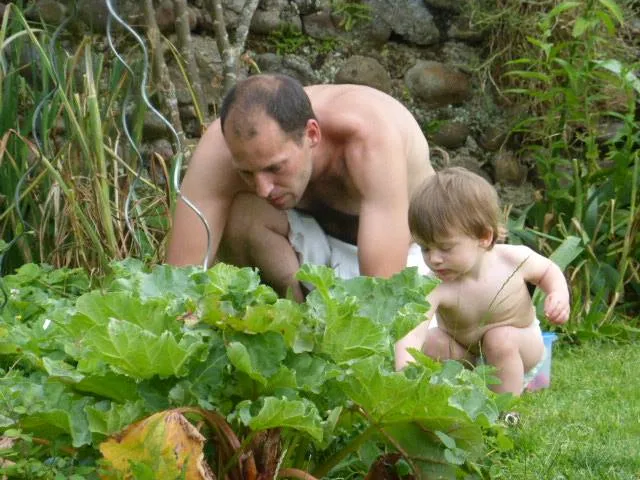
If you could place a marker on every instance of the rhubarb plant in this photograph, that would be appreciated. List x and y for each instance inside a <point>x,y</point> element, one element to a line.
<point>109,377</point>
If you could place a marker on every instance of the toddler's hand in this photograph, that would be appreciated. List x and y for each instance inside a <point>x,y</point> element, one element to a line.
<point>556,308</point>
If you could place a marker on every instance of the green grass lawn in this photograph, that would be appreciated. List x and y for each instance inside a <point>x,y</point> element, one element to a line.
<point>586,425</point>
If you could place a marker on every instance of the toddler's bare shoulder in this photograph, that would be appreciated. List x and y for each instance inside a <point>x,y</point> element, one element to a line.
<point>514,254</point>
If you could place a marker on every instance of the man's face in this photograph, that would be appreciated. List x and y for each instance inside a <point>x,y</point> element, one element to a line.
<point>275,166</point>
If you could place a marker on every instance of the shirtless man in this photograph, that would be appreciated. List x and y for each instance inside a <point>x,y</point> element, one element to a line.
<point>482,302</point>
<point>284,162</point>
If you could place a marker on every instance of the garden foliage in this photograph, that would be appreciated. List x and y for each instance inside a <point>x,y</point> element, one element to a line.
<point>571,67</point>
<point>83,360</point>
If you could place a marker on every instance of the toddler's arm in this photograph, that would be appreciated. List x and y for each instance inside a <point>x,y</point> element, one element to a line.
<point>414,339</point>
<point>556,306</point>
<point>543,272</point>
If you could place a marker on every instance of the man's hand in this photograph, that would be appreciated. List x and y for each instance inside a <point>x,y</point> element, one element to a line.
<point>557,308</point>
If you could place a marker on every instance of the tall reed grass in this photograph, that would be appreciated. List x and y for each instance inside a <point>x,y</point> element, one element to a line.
<point>75,191</point>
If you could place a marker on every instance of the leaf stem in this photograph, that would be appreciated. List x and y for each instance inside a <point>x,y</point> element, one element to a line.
<point>327,466</point>
<point>296,473</point>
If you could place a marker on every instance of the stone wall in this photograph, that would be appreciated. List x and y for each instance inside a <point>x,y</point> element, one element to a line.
<point>423,52</point>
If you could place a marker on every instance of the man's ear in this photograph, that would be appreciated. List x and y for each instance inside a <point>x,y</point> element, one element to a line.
<point>312,131</point>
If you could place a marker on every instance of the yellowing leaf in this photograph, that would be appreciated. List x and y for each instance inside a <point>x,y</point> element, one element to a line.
<point>165,441</point>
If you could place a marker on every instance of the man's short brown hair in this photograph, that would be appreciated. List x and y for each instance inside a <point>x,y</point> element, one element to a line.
<point>280,97</point>
<point>454,200</point>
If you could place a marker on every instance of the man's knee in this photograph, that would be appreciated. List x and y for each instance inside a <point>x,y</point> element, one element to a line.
<point>250,215</point>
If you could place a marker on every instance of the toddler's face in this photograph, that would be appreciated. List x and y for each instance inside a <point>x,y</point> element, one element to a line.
<point>454,256</point>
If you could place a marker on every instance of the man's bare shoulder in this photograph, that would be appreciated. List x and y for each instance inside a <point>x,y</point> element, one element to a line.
<point>210,170</point>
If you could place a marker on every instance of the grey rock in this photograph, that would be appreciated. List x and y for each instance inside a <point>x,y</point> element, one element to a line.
<point>493,137</point>
<point>437,84</point>
<point>165,16</point>
<point>470,163</point>
<point>292,65</point>
<point>273,15</point>
<point>364,71</point>
<point>409,19</point>
<point>508,169</point>
<point>450,135</point>
<point>462,29</point>
<point>460,55</point>
<point>307,7</point>
<point>50,11</point>
<point>456,6</point>
<point>320,25</point>
<point>517,196</point>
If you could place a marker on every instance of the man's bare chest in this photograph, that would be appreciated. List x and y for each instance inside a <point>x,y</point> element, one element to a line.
<point>334,192</point>
<point>336,207</point>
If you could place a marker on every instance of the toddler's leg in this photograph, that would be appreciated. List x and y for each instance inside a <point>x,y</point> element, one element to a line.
<point>513,351</point>
<point>442,346</point>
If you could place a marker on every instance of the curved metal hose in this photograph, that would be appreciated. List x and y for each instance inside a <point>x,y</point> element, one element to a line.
<point>145,99</point>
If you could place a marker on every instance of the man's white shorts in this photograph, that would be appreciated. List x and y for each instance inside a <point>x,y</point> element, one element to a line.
<point>314,246</point>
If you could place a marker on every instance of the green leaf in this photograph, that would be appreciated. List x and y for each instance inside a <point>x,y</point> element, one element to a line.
<point>322,278</point>
<point>580,27</point>
<point>424,450</point>
<point>563,7</point>
<point>348,337</point>
<point>625,73</point>
<point>106,418</point>
<point>284,316</point>
<point>161,282</point>
<point>312,372</point>
<point>475,403</point>
<point>237,288</point>
<point>259,356</point>
<point>205,383</point>
<point>375,389</point>
<point>301,415</point>
<point>543,77</point>
<point>614,8</point>
<point>455,456</point>
<point>61,369</point>
<point>109,385</point>
<point>132,337</point>
<point>446,440</point>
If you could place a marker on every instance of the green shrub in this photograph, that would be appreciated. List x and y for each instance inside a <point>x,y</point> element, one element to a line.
<point>576,80</point>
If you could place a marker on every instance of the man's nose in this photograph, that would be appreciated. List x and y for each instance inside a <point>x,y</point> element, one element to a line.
<point>263,185</point>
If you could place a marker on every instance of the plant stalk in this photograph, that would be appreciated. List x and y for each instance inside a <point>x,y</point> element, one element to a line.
<point>326,467</point>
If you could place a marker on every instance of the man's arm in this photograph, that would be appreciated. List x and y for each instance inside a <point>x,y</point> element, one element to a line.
<point>210,184</point>
<point>543,272</point>
<point>379,171</point>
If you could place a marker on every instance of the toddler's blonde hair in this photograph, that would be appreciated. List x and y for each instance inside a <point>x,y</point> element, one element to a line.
<point>455,199</point>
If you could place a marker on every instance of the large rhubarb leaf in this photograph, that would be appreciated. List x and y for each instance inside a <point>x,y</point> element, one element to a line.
<point>166,443</point>
<point>301,415</point>
<point>377,390</point>
<point>134,338</point>
<point>161,281</point>
<point>259,356</point>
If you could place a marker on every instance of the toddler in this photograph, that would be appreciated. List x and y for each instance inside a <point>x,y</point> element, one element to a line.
<point>482,303</point>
